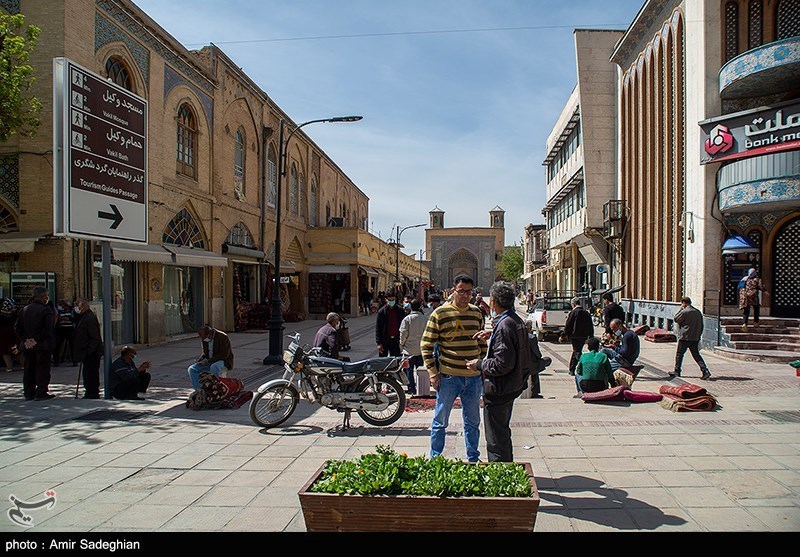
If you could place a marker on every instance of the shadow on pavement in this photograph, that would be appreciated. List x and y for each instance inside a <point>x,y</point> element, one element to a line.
<point>573,500</point>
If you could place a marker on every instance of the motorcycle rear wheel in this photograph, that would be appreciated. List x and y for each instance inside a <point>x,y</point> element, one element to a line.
<point>394,391</point>
<point>267,408</point>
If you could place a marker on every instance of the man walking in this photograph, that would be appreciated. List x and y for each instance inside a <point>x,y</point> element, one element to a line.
<point>452,328</point>
<point>217,357</point>
<point>88,347</point>
<point>35,329</point>
<point>690,323</point>
<point>506,368</point>
<point>411,329</point>
<point>577,328</point>
<point>387,327</point>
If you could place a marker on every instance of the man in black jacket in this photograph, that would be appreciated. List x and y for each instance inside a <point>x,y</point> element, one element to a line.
<point>505,370</point>
<point>35,329</point>
<point>577,328</point>
<point>387,327</point>
<point>612,311</point>
<point>88,347</point>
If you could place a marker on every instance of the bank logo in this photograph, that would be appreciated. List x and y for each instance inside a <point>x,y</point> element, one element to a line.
<point>720,140</point>
<point>18,516</point>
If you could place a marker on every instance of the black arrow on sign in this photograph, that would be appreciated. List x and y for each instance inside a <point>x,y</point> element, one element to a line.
<point>116,216</point>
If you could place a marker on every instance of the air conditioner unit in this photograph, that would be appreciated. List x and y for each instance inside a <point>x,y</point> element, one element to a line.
<point>614,229</point>
<point>336,222</point>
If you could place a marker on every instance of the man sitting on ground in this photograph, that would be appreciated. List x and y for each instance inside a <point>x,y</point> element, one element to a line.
<point>327,337</point>
<point>625,353</point>
<point>593,372</point>
<point>217,357</point>
<point>126,380</point>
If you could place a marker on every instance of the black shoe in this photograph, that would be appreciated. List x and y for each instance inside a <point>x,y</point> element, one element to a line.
<point>48,396</point>
<point>706,375</point>
<point>28,398</point>
<point>674,374</point>
<point>537,396</point>
<point>572,372</point>
<point>91,396</point>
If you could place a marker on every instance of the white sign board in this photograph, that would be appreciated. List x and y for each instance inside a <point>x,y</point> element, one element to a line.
<point>100,142</point>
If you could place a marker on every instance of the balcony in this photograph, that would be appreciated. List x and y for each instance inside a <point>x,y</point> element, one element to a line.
<point>765,183</point>
<point>766,70</point>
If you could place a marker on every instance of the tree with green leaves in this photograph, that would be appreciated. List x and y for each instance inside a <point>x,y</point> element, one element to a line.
<point>512,263</point>
<point>18,112</point>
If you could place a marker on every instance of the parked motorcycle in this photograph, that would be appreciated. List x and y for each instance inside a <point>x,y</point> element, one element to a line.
<point>373,387</point>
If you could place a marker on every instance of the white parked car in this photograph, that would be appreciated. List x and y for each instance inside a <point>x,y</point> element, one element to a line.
<point>549,315</point>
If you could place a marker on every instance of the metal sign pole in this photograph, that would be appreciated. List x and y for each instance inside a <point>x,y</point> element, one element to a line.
<point>107,340</point>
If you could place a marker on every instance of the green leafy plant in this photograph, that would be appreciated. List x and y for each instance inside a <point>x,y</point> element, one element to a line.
<point>387,472</point>
<point>17,111</point>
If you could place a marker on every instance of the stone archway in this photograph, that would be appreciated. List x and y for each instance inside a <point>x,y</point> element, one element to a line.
<point>462,261</point>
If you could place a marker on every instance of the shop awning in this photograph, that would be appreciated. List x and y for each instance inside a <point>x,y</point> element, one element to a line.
<point>232,252</point>
<point>371,271</point>
<point>194,257</point>
<point>19,242</point>
<point>145,253</point>
<point>381,272</point>
<point>329,269</point>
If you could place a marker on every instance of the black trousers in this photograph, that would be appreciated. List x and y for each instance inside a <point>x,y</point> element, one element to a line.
<point>391,347</point>
<point>36,377</point>
<point>128,391</point>
<point>91,376</point>
<point>497,424</point>
<point>756,311</point>
<point>692,346</point>
<point>577,350</point>
<point>593,385</point>
<point>536,388</point>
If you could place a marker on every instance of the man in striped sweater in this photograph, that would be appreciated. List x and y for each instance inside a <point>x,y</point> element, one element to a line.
<point>451,327</point>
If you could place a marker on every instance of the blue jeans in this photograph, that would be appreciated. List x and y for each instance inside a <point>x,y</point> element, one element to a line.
<point>196,369</point>
<point>469,389</point>
<point>612,358</point>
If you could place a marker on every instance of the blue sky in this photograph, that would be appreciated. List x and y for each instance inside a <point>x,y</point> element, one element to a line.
<point>456,120</point>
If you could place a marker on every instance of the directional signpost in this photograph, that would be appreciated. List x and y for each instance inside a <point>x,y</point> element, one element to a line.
<point>100,167</point>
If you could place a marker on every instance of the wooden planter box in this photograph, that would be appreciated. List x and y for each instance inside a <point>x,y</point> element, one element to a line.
<point>329,512</point>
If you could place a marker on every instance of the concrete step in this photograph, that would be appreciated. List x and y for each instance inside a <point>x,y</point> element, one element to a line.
<point>738,336</point>
<point>771,321</point>
<point>767,346</point>
<point>762,329</point>
<point>773,356</point>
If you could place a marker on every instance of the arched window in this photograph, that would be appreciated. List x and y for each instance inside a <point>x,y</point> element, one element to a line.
<point>787,15</point>
<point>240,236</point>
<point>182,231</point>
<point>312,210</point>
<point>301,186</point>
<point>187,141</point>
<point>731,30</point>
<point>273,177</point>
<point>8,222</point>
<point>327,214</point>
<point>755,24</point>
<point>238,166</point>
<point>117,71</point>
<point>293,191</point>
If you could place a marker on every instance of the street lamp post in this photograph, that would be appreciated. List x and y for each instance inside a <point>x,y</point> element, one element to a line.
<point>276,319</point>
<point>397,252</point>
<point>421,253</point>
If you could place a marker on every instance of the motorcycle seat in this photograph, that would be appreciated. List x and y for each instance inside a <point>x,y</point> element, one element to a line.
<point>388,363</point>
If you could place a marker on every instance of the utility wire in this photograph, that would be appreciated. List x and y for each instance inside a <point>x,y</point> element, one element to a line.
<point>406,33</point>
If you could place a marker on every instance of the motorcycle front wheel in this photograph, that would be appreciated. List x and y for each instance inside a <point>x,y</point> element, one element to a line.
<point>274,406</point>
<point>397,405</point>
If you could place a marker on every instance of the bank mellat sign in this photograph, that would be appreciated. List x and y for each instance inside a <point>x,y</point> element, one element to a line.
<point>750,133</point>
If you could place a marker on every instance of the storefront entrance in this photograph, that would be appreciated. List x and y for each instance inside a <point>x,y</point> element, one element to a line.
<point>786,271</point>
<point>183,299</point>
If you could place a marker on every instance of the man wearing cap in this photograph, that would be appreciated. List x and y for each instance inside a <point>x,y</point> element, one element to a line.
<point>126,380</point>
<point>326,337</point>
<point>217,356</point>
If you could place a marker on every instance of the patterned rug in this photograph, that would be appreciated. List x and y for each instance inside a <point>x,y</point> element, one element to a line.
<point>423,404</point>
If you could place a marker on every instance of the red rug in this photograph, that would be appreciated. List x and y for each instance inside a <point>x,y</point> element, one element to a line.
<point>423,404</point>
